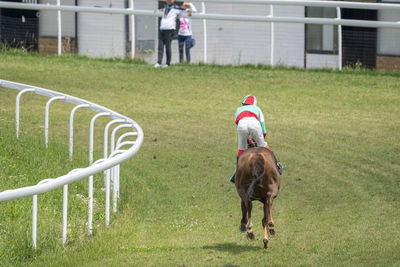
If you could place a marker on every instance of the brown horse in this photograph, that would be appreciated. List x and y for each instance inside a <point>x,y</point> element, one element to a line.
<point>257,178</point>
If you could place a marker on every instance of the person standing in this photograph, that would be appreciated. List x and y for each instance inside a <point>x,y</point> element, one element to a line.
<point>185,32</point>
<point>167,28</point>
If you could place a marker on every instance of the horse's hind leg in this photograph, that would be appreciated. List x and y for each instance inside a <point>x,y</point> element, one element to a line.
<point>265,226</point>
<point>271,223</point>
<point>250,234</point>
<point>267,221</point>
<point>243,222</point>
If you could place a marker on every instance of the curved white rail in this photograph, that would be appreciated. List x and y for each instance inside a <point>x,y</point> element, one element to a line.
<point>110,163</point>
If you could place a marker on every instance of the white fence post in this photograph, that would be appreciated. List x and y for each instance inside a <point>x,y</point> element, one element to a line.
<point>272,36</point>
<point>120,143</point>
<point>90,193</point>
<point>65,214</point>
<point>91,144</point>
<point>34,220</point>
<point>203,5</point>
<point>108,174</point>
<point>46,116</point>
<point>71,128</point>
<point>106,129</point>
<point>59,35</point>
<point>34,214</point>
<point>18,100</point>
<point>113,170</point>
<point>105,150</point>
<point>133,45</point>
<point>339,16</point>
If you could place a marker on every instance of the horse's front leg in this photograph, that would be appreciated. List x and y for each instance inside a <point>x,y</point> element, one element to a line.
<point>243,222</point>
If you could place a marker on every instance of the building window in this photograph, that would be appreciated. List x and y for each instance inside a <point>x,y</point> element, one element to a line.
<point>321,39</point>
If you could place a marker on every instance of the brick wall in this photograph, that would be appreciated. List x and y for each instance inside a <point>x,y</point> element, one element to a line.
<point>387,63</point>
<point>49,45</point>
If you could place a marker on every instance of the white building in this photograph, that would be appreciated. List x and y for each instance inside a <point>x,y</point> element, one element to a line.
<point>228,42</point>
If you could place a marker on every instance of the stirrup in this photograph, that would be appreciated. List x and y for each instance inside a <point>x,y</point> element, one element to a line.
<point>280,168</point>
<point>232,179</point>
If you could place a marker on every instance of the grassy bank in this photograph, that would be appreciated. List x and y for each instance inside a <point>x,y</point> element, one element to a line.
<point>336,133</point>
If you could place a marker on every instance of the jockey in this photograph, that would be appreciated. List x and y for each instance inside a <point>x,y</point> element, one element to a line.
<point>250,121</point>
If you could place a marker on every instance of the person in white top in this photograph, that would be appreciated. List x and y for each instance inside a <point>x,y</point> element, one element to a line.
<point>167,28</point>
<point>185,32</point>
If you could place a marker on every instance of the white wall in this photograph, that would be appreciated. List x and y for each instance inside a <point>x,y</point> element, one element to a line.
<point>102,35</point>
<point>289,40</point>
<point>322,61</point>
<point>145,31</point>
<point>232,42</point>
<point>388,42</point>
<point>48,21</point>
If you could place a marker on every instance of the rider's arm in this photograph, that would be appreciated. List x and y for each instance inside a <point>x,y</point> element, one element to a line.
<point>262,122</point>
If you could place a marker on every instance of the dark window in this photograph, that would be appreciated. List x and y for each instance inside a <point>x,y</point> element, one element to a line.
<point>19,28</point>
<point>359,43</point>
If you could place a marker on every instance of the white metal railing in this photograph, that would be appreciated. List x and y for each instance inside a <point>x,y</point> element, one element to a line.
<point>109,163</point>
<point>270,18</point>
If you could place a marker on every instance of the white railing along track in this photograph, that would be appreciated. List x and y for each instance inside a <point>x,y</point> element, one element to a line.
<point>111,161</point>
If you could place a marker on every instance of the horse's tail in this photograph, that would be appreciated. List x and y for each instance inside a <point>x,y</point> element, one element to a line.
<point>257,169</point>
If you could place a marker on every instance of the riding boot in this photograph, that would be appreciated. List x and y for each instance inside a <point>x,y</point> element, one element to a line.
<point>232,179</point>
<point>278,164</point>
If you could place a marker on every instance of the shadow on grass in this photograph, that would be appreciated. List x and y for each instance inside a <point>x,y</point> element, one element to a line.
<point>233,248</point>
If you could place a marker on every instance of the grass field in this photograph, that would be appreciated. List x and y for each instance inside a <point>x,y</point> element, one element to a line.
<point>337,134</point>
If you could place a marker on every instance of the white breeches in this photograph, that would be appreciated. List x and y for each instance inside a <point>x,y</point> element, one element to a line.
<point>250,126</point>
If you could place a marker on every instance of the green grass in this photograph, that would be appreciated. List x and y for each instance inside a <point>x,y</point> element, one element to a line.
<point>337,133</point>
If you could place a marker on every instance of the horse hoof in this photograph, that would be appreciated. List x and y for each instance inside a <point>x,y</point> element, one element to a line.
<point>250,237</point>
<point>265,244</point>
<point>271,232</point>
<point>242,228</point>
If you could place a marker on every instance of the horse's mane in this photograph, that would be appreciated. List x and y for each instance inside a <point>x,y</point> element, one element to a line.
<point>251,142</point>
